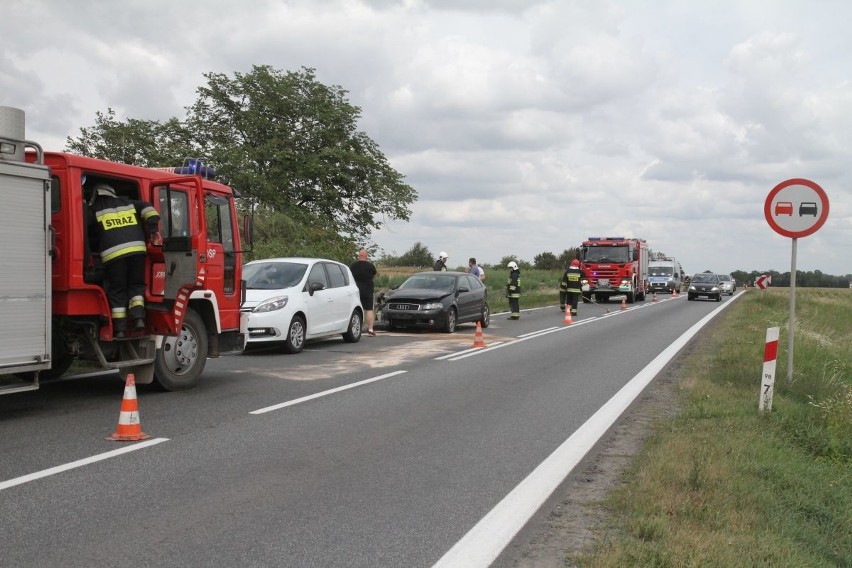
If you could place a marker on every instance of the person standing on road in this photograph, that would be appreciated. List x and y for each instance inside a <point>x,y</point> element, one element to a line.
<point>364,272</point>
<point>441,263</point>
<point>513,291</point>
<point>475,270</point>
<point>119,231</point>
<point>571,286</point>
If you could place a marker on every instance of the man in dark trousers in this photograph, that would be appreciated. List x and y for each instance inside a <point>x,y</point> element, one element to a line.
<point>513,291</point>
<point>364,272</point>
<point>119,233</point>
<point>571,286</point>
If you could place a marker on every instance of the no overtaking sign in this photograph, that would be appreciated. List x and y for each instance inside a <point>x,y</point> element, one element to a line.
<point>796,208</point>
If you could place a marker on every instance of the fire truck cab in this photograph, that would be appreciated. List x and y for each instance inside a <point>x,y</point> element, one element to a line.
<point>615,266</point>
<point>55,281</point>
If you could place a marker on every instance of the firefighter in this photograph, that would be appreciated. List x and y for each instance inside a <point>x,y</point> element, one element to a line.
<point>441,263</point>
<point>118,232</point>
<point>513,291</point>
<point>571,286</point>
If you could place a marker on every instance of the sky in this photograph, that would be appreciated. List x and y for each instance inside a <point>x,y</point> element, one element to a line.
<point>525,126</point>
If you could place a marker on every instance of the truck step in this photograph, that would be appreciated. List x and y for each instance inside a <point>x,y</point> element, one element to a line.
<point>10,384</point>
<point>129,363</point>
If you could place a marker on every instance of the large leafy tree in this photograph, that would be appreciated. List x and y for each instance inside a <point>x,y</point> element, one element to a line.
<point>292,144</point>
<point>287,142</point>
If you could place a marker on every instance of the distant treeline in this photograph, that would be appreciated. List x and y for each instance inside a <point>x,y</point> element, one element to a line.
<point>815,279</point>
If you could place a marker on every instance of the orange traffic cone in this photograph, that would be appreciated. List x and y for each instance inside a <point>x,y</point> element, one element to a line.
<point>655,297</point>
<point>477,336</point>
<point>129,428</point>
<point>624,303</point>
<point>567,319</point>
<point>674,293</point>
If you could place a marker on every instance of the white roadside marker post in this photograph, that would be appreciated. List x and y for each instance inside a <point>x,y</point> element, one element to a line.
<point>767,383</point>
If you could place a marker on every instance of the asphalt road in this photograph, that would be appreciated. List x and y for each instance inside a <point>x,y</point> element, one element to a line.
<point>381,453</point>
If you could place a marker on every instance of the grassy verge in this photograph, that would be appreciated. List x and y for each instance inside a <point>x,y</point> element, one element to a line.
<point>719,485</point>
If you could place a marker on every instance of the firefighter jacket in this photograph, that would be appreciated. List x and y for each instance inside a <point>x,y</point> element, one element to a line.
<point>440,266</point>
<point>572,280</point>
<point>513,285</point>
<point>118,230</point>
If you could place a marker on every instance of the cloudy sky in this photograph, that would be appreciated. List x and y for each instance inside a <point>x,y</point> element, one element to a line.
<point>525,125</point>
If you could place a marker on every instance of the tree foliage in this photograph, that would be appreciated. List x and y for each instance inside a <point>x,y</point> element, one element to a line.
<point>417,256</point>
<point>545,261</point>
<point>285,141</point>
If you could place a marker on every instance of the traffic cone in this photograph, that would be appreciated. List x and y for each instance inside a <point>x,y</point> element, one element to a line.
<point>129,428</point>
<point>477,337</point>
<point>624,303</point>
<point>567,319</point>
<point>674,293</point>
<point>655,297</point>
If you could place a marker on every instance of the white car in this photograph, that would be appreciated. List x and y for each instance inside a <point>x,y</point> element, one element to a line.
<point>292,300</point>
<point>728,284</point>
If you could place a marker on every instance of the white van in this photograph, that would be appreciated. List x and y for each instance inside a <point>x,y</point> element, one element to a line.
<point>664,275</point>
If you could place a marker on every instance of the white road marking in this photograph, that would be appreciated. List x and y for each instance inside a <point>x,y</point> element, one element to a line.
<point>324,393</point>
<point>79,463</point>
<point>487,539</point>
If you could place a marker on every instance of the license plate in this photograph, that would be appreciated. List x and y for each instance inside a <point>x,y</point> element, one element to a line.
<point>603,282</point>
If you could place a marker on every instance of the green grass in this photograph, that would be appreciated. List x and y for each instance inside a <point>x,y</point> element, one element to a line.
<point>719,485</point>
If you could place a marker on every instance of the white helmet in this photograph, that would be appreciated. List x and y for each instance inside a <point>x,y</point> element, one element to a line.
<point>513,265</point>
<point>442,254</point>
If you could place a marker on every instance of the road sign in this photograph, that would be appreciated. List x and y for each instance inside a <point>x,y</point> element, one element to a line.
<point>796,208</point>
<point>763,281</point>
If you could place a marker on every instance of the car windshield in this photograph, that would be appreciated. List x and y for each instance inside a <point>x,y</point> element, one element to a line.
<point>660,270</point>
<point>617,254</point>
<point>273,275</point>
<point>724,278</point>
<point>430,282</point>
<point>704,278</point>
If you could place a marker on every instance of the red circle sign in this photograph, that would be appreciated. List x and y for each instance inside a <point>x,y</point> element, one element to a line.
<point>796,208</point>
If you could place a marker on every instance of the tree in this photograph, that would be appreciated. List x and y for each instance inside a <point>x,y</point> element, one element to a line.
<point>545,261</point>
<point>417,256</point>
<point>285,141</point>
<point>290,142</point>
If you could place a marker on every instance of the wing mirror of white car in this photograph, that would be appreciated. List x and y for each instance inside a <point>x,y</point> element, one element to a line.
<point>315,287</point>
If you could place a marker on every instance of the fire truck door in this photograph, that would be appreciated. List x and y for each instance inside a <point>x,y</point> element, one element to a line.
<point>180,259</point>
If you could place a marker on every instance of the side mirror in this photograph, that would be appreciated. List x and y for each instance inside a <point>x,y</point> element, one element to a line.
<point>248,233</point>
<point>315,287</point>
<point>463,289</point>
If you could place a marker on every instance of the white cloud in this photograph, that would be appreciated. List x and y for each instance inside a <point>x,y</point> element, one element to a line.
<point>524,126</point>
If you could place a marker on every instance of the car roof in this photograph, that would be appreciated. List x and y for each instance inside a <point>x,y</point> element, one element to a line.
<point>295,259</point>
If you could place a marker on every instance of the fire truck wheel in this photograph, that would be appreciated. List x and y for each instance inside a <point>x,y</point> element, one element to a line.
<point>294,342</point>
<point>179,363</point>
<point>353,333</point>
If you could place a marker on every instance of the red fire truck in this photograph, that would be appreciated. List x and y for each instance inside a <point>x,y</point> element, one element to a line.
<point>53,308</point>
<point>615,266</point>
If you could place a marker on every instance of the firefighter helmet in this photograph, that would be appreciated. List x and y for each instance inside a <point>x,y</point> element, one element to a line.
<point>575,262</point>
<point>443,255</point>
<point>105,189</point>
<point>513,265</point>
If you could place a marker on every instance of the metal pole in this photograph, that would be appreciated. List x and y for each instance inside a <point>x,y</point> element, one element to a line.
<point>791,324</point>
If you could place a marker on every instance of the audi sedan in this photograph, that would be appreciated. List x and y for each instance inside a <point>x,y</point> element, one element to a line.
<point>440,300</point>
<point>706,285</point>
<point>292,300</point>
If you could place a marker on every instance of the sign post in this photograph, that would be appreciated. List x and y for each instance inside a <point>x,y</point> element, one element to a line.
<point>795,208</point>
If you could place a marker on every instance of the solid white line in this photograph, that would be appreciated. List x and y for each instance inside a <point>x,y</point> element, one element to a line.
<point>471,350</point>
<point>487,539</point>
<point>79,463</point>
<point>324,393</point>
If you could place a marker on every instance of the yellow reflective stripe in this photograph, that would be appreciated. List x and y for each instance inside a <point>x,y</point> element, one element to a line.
<point>119,312</point>
<point>122,250</point>
<point>136,301</point>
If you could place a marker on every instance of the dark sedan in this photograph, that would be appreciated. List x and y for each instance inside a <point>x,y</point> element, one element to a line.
<point>705,284</point>
<point>439,300</point>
